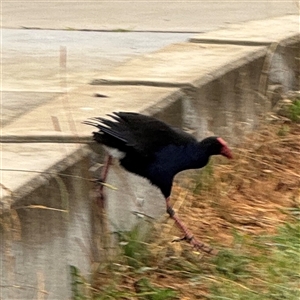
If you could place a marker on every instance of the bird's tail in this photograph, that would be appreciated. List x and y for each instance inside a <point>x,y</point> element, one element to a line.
<point>98,136</point>
<point>109,134</point>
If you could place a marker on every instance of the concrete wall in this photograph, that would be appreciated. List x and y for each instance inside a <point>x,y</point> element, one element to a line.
<point>47,230</point>
<point>229,105</point>
<point>205,88</point>
<point>284,66</point>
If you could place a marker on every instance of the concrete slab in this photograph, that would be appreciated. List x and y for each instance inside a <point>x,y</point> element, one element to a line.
<point>262,32</point>
<point>64,115</point>
<point>14,104</point>
<point>190,15</point>
<point>31,58</point>
<point>181,65</point>
<point>26,166</point>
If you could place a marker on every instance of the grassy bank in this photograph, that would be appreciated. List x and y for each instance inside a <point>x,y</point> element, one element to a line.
<point>248,209</point>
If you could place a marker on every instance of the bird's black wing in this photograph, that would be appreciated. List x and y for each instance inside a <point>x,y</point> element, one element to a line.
<point>146,135</point>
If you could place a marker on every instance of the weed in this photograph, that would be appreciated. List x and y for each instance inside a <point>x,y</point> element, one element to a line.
<point>142,289</point>
<point>203,178</point>
<point>111,292</point>
<point>147,291</point>
<point>265,268</point>
<point>283,130</point>
<point>233,266</point>
<point>135,251</point>
<point>78,284</point>
<point>294,111</point>
<point>291,110</point>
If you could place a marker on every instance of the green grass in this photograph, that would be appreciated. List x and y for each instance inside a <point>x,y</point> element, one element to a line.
<point>203,178</point>
<point>265,267</point>
<point>134,262</point>
<point>80,287</point>
<point>148,292</point>
<point>253,268</point>
<point>283,130</point>
<point>134,249</point>
<point>144,291</point>
<point>294,111</point>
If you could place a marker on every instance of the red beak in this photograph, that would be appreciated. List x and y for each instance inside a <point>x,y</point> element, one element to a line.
<point>226,152</point>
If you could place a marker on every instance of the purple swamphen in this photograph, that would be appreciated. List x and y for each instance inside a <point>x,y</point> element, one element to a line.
<point>152,149</point>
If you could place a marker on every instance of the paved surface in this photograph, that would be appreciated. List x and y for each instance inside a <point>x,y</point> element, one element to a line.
<point>262,32</point>
<point>181,64</point>
<point>11,101</point>
<point>65,114</point>
<point>32,72</point>
<point>31,58</point>
<point>176,15</point>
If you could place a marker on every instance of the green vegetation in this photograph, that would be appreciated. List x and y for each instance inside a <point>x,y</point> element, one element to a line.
<point>254,268</point>
<point>291,110</point>
<point>80,287</point>
<point>283,130</point>
<point>148,292</point>
<point>132,265</point>
<point>265,267</point>
<point>203,178</point>
<point>134,250</point>
<point>294,111</point>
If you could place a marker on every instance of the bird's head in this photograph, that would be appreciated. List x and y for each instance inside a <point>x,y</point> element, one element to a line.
<point>217,146</point>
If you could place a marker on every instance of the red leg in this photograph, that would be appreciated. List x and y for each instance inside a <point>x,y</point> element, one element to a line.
<point>100,211</point>
<point>104,174</point>
<point>188,236</point>
<point>105,169</point>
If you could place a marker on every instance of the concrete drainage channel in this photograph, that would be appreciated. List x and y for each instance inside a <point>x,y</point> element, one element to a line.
<point>219,82</point>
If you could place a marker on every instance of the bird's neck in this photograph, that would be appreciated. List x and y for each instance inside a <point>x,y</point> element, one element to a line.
<point>206,148</point>
<point>197,156</point>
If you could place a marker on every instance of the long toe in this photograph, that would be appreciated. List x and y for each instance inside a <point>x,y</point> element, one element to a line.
<point>184,238</point>
<point>199,246</point>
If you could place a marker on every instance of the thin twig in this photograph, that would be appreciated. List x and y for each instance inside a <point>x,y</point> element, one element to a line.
<point>40,207</point>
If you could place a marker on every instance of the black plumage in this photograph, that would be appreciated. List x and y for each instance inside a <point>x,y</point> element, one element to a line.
<point>152,149</point>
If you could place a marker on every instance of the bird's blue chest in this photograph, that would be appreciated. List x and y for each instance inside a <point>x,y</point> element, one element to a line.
<point>174,159</point>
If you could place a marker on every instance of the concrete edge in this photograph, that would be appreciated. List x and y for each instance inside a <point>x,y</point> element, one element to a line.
<point>257,53</point>
<point>225,41</point>
<point>44,176</point>
<point>139,82</point>
<point>45,138</point>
